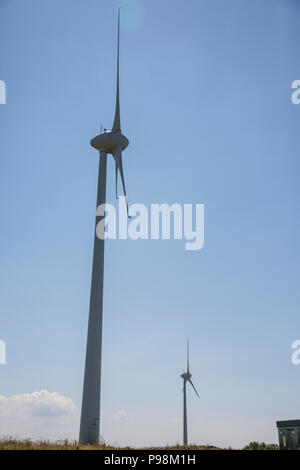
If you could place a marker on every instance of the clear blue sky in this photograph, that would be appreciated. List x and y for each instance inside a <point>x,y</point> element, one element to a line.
<point>205,103</point>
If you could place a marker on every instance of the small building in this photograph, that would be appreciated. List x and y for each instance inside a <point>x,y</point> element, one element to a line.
<point>289,434</point>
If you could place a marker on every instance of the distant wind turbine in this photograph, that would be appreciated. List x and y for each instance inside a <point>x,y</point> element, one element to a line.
<point>186,378</point>
<point>108,142</point>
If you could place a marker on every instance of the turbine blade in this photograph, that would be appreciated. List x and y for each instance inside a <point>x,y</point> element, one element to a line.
<point>188,356</point>
<point>194,388</point>
<point>116,180</point>
<point>117,154</point>
<point>117,121</point>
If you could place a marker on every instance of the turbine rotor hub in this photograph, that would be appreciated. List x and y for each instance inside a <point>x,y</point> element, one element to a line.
<point>186,376</point>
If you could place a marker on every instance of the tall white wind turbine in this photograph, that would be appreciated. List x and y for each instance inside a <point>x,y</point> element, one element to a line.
<point>108,142</point>
<point>186,378</point>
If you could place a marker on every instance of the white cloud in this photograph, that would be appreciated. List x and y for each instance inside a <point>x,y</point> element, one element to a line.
<point>39,415</point>
<point>119,415</point>
<point>122,416</point>
<point>36,404</point>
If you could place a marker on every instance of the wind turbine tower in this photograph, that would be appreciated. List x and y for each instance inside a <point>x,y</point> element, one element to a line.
<point>108,142</point>
<point>186,378</point>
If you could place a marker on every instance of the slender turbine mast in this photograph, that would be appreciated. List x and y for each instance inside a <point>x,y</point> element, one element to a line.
<point>108,142</point>
<point>186,378</point>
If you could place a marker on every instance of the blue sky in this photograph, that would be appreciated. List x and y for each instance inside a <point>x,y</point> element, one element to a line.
<point>206,105</point>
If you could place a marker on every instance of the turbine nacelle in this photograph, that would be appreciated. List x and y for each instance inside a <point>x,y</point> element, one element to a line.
<point>186,376</point>
<point>108,141</point>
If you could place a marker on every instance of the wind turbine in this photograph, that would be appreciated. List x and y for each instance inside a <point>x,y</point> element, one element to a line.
<point>108,142</point>
<point>186,378</point>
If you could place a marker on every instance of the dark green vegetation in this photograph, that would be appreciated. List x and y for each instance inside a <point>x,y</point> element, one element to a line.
<point>261,446</point>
